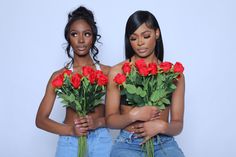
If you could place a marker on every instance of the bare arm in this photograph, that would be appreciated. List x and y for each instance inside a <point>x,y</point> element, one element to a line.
<point>114,119</point>
<point>42,118</point>
<point>175,125</point>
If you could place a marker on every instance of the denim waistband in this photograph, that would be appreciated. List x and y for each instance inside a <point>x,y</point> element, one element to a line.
<point>126,136</point>
<point>97,132</point>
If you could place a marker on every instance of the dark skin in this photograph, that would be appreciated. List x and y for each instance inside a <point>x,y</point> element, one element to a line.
<point>146,121</point>
<point>80,36</point>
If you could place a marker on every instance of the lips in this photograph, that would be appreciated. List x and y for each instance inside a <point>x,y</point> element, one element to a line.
<point>81,48</point>
<point>142,50</point>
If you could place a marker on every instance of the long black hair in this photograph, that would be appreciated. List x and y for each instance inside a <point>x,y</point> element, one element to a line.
<point>135,20</point>
<point>87,15</point>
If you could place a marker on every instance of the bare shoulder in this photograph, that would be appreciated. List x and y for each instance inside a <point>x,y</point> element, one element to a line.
<point>117,68</point>
<point>181,81</point>
<point>56,73</point>
<point>105,68</point>
<point>181,78</point>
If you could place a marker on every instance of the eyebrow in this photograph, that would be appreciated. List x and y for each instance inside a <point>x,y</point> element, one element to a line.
<point>147,31</point>
<point>87,30</point>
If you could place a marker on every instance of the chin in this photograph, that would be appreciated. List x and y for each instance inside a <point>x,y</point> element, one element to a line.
<point>143,55</point>
<point>82,53</point>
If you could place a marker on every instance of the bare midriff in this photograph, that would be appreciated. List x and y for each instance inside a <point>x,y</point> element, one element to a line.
<point>125,109</point>
<point>71,114</point>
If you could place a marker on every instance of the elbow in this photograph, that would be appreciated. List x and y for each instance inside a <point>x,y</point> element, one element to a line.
<point>39,122</point>
<point>174,128</point>
<point>107,121</point>
<point>179,127</point>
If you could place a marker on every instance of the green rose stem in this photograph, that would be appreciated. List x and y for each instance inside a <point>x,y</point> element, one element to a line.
<point>82,142</point>
<point>149,148</point>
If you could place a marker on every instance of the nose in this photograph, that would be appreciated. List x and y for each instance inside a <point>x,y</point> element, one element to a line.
<point>81,38</point>
<point>140,42</point>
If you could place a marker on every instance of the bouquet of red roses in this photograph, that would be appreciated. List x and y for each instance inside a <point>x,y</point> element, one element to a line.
<point>150,85</point>
<point>81,92</point>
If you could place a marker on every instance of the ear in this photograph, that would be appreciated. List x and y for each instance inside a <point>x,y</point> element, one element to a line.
<point>157,33</point>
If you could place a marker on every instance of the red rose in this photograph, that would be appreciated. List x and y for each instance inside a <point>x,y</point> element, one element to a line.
<point>102,80</point>
<point>120,78</point>
<point>126,68</point>
<point>57,82</point>
<point>92,77</point>
<point>67,72</point>
<point>140,63</point>
<point>166,66</point>
<point>98,73</point>
<point>178,67</point>
<point>142,67</point>
<point>87,70</point>
<point>143,71</point>
<point>75,80</point>
<point>152,68</point>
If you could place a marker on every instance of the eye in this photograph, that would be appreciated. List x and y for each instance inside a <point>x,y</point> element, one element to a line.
<point>73,34</point>
<point>146,36</point>
<point>132,38</point>
<point>87,34</point>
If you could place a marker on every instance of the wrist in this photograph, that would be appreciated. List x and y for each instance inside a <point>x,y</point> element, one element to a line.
<point>97,123</point>
<point>163,127</point>
<point>71,131</point>
<point>100,122</point>
<point>132,117</point>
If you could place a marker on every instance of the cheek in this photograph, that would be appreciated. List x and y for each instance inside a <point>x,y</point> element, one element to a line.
<point>72,43</point>
<point>89,41</point>
<point>151,43</point>
<point>133,45</point>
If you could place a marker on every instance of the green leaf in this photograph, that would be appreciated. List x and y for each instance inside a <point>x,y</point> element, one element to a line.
<point>166,101</point>
<point>71,98</point>
<point>139,91</point>
<point>64,97</point>
<point>161,107</point>
<point>130,88</point>
<point>155,96</point>
<point>97,103</point>
<point>173,86</point>
<point>78,106</point>
<point>66,103</point>
<point>143,93</point>
<point>138,100</point>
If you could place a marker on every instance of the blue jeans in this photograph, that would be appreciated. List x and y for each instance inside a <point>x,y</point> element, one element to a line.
<point>99,144</point>
<point>127,145</point>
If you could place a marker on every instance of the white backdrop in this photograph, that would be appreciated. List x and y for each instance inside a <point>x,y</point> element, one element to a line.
<point>200,34</point>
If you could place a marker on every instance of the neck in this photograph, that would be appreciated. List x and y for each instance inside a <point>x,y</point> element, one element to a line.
<point>149,59</point>
<point>80,61</point>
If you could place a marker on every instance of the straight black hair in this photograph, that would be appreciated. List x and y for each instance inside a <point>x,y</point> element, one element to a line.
<point>134,21</point>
